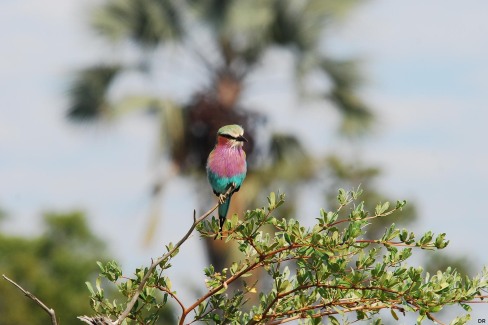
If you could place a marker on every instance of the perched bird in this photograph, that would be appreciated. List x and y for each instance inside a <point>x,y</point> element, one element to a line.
<point>226,165</point>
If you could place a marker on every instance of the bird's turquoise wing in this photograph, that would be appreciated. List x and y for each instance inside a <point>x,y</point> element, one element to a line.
<point>221,184</point>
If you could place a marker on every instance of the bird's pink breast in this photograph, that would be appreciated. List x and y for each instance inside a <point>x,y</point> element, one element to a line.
<point>227,161</point>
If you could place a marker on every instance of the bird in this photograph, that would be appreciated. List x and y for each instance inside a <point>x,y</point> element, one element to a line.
<point>227,166</point>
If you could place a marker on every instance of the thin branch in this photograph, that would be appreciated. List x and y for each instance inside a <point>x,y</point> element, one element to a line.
<point>281,295</point>
<point>475,301</point>
<point>273,302</point>
<point>390,243</point>
<point>155,263</point>
<point>251,242</point>
<point>366,218</point>
<point>213,291</point>
<point>202,316</point>
<point>233,278</point>
<point>434,319</point>
<point>326,313</point>
<point>48,310</point>
<point>96,320</point>
<point>173,296</point>
<point>322,306</point>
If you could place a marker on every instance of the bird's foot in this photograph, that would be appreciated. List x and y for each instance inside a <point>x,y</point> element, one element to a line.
<point>221,198</point>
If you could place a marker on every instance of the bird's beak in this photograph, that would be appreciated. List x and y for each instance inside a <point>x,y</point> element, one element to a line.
<point>241,138</point>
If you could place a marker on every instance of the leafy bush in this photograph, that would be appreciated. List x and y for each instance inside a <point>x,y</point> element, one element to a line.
<point>326,273</point>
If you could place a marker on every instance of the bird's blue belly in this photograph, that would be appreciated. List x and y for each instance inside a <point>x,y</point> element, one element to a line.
<point>221,184</point>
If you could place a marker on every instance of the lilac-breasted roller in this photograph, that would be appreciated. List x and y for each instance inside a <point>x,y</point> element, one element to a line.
<point>226,165</point>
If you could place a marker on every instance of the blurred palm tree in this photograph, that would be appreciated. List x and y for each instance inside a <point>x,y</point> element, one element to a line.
<point>237,34</point>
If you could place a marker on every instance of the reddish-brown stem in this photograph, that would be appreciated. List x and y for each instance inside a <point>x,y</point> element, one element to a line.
<point>330,312</point>
<point>172,296</point>
<point>434,319</point>
<point>215,290</point>
<point>367,218</point>
<point>391,243</point>
<point>232,279</point>
<point>308,286</point>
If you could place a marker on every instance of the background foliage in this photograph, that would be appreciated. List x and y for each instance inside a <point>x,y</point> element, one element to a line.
<point>53,266</point>
<point>318,274</point>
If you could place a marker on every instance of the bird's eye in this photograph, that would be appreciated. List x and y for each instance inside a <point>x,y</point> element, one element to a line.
<point>228,136</point>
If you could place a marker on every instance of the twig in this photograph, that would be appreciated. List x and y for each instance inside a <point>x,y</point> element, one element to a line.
<point>173,296</point>
<point>203,315</point>
<point>366,218</point>
<point>48,310</point>
<point>232,279</point>
<point>96,320</point>
<point>155,263</point>
<point>332,312</point>
<point>434,319</point>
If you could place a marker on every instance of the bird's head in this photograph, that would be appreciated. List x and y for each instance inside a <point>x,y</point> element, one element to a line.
<point>232,135</point>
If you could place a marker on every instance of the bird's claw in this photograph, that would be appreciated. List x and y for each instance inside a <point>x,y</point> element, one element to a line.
<point>221,198</point>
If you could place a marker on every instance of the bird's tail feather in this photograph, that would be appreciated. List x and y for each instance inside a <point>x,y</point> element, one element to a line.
<point>223,209</point>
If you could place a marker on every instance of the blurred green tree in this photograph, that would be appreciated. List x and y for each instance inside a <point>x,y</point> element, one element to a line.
<point>54,266</point>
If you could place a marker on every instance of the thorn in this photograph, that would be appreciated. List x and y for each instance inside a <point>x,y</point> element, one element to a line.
<point>194,216</point>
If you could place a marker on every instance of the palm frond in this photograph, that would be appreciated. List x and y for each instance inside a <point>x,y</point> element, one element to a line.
<point>345,78</point>
<point>88,92</point>
<point>357,116</point>
<point>301,24</point>
<point>146,22</point>
<point>343,73</point>
<point>213,12</point>
<point>289,159</point>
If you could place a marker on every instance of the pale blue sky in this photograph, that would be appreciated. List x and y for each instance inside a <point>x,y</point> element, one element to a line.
<point>427,68</point>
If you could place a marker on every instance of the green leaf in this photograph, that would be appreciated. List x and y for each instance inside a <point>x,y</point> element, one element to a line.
<point>342,197</point>
<point>97,284</point>
<point>100,265</point>
<point>461,320</point>
<point>90,288</point>
<point>403,235</point>
<point>420,318</point>
<point>287,238</point>
<point>381,208</point>
<point>400,204</point>
<point>331,217</point>
<point>393,314</point>
<point>233,268</point>
<point>332,320</point>
<point>272,201</point>
<point>377,321</point>
<point>440,241</point>
<point>234,221</point>
<point>466,307</point>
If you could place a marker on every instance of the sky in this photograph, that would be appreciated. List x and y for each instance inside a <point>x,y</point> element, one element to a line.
<point>426,65</point>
